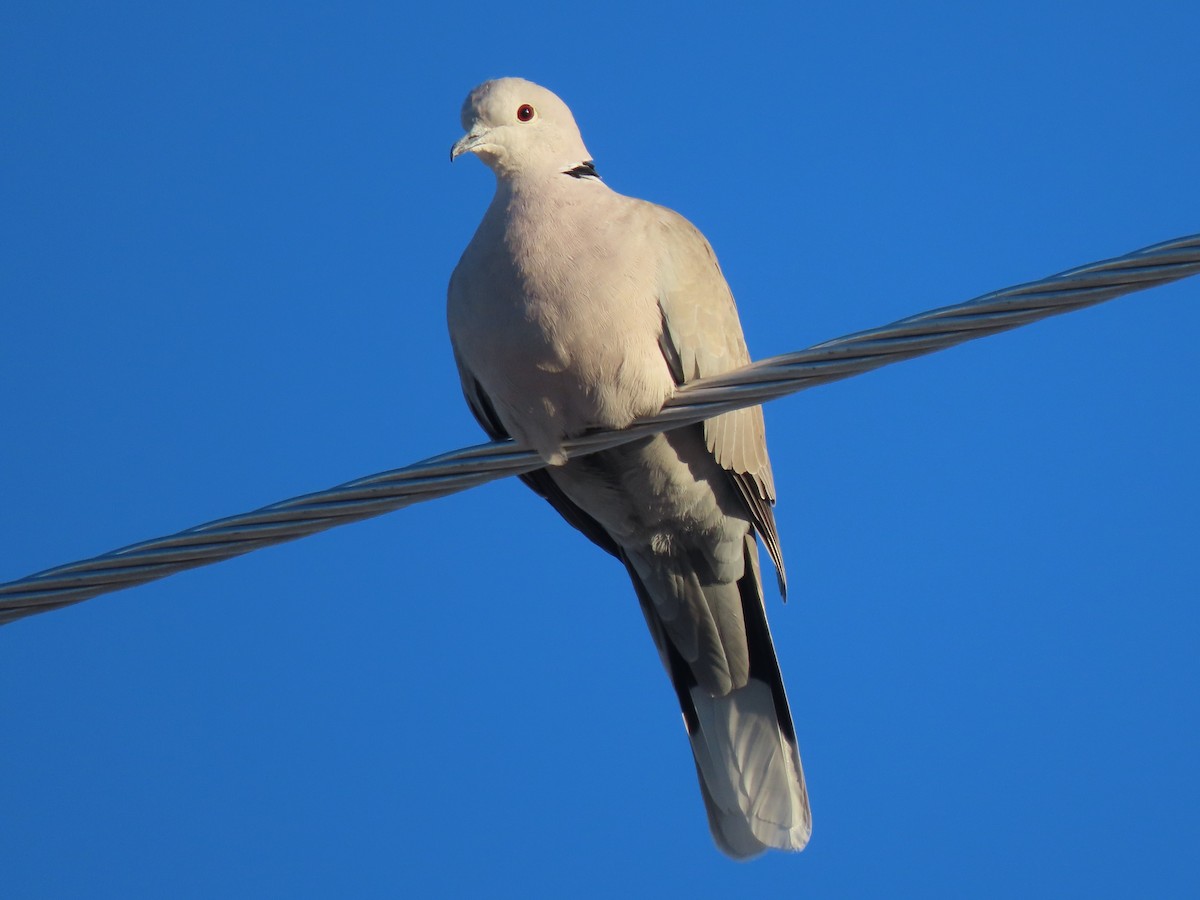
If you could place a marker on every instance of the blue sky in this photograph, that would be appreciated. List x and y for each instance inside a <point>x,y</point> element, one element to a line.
<point>226,233</point>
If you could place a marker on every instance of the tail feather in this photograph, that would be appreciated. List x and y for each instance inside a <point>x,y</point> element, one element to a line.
<point>743,740</point>
<point>750,774</point>
<point>730,831</point>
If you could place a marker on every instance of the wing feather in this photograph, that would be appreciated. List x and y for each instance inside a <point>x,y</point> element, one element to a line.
<point>702,336</point>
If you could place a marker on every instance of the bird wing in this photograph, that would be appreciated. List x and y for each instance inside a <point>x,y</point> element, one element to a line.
<point>702,336</point>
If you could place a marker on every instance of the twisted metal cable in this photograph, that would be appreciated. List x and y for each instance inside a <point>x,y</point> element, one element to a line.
<point>698,400</point>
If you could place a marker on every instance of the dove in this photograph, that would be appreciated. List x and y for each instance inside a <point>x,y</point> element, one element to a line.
<point>573,308</point>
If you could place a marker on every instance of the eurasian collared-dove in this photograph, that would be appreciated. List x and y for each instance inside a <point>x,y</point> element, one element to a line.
<point>575,307</point>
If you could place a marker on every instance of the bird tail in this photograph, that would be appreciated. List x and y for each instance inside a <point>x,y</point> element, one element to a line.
<point>750,773</point>
<point>743,741</point>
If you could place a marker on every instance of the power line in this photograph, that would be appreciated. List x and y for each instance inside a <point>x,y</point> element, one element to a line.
<point>699,400</point>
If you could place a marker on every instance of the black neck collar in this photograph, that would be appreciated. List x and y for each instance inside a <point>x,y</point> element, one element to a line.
<point>586,169</point>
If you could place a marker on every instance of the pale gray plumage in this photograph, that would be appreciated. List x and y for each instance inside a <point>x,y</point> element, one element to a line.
<point>575,307</point>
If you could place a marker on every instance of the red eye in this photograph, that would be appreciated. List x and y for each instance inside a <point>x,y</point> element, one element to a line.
<point>525,113</point>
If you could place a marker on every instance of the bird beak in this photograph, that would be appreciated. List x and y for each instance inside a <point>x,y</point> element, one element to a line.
<point>467,143</point>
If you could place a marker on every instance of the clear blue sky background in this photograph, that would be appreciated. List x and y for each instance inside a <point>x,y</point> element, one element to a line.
<point>227,230</point>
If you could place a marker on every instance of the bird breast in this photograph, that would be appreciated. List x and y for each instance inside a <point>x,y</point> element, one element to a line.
<point>559,335</point>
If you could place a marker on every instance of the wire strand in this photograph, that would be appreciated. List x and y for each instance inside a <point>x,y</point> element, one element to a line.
<point>449,473</point>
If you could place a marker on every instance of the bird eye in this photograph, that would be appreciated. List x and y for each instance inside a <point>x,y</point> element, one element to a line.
<point>525,113</point>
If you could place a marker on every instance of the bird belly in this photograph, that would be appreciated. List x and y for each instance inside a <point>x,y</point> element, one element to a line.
<point>666,497</point>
